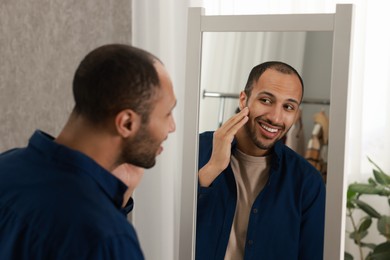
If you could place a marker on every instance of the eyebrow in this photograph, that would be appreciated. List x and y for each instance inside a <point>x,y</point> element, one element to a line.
<point>272,95</point>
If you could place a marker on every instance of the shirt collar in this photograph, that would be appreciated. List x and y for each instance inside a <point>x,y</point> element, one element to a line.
<point>58,153</point>
<point>128,207</point>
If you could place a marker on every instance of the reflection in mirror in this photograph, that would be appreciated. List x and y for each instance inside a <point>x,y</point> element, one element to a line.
<point>227,59</point>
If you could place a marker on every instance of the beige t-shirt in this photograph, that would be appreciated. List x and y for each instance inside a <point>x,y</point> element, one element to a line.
<point>251,174</point>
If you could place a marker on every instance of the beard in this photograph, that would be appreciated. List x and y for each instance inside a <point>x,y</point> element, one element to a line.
<point>141,150</point>
<point>254,135</point>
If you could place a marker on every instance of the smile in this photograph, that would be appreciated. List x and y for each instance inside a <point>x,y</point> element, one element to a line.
<point>269,129</point>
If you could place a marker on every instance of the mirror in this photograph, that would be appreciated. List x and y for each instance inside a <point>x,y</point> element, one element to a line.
<point>338,25</point>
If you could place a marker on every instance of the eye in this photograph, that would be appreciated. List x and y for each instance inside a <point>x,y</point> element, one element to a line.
<point>265,100</point>
<point>289,107</point>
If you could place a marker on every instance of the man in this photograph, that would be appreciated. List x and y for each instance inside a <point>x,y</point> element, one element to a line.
<point>258,199</point>
<point>67,198</point>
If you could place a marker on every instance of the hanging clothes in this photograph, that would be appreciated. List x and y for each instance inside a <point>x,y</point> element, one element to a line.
<point>295,138</point>
<point>317,147</point>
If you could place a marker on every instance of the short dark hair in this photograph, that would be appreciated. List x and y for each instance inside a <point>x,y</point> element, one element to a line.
<point>112,78</point>
<point>258,70</point>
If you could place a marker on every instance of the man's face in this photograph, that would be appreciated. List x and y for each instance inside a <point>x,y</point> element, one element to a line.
<point>273,108</point>
<point>143,148</point>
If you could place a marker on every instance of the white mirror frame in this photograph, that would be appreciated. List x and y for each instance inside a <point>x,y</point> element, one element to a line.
<point>340,23</point>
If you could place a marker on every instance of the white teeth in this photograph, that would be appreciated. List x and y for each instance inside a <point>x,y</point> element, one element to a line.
<point>272,130</point>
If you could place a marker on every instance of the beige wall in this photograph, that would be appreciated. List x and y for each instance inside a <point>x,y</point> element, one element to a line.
<point>41,44</point>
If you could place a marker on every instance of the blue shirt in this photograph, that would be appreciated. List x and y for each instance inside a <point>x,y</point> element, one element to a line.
<point>57,203</point>
<point>286,219</point>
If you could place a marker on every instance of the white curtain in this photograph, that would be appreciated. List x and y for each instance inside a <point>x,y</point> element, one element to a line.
<point>160,27</point>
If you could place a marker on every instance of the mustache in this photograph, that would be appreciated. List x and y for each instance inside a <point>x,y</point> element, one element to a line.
<point>269,122</point>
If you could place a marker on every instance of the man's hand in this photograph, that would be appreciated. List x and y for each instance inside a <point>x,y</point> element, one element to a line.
<point>222,139</point>
<point>130,175</point>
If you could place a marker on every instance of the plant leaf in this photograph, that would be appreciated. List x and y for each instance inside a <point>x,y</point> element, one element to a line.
<point>363,188</point>
<point>365,224</point>
<point>381,252</point>
<point>379,256</point>
<point>372,182</point>
<point>358,236</point>
<point>367,208</point>
<point>384,226</point>
<point>376,165</point>
<point>348,256</point>
<point>381,177</point>
<point>351,194</point>
<point>350,205</point>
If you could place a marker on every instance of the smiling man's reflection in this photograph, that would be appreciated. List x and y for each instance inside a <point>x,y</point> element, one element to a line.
<point>258,199</point>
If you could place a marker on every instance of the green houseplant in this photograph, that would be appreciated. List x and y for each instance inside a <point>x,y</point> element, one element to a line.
<point>378,185</point>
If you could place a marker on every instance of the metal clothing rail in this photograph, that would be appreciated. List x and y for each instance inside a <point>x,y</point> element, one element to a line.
<point>223,96</point>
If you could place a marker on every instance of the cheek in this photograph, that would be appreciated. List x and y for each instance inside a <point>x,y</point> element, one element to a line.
<point>256,109</point>
<point>159,129</point>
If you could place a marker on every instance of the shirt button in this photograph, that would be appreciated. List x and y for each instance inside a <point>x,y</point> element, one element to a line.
<point>250,242</point>
<point>255,211</point>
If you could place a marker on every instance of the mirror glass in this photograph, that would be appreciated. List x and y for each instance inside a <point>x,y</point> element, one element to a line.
<point>228,57</point>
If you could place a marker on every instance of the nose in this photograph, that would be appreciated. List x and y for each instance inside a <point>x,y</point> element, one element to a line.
<point>275,115</point>
<point>172,125</point>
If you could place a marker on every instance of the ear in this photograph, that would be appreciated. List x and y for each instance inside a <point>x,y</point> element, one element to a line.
<point>243,100</point>
<point>127,123</point>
